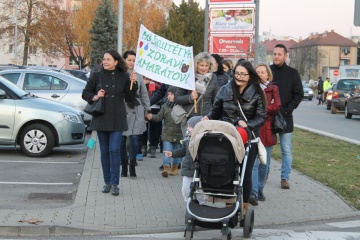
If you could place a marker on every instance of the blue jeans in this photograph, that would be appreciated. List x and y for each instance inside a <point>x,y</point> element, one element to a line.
<point>286,154</point>
<point>134,147</point>
<point>110,156</point>
<point>169,146</point>
<point>260,171</point>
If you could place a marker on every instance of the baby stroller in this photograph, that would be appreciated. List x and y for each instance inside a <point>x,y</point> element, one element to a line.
<point>218,151</point>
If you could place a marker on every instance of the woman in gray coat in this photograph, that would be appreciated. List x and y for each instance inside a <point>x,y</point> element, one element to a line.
<point>135,118</point>
<point>205,84</point>
<point>112,83</point>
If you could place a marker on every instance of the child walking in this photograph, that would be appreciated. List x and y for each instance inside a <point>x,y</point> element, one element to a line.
<point>171,134</point>
<point>188,165</point>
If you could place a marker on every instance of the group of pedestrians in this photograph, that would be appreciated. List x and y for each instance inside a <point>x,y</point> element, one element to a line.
<point>245,96</point>
<point>323,89</point>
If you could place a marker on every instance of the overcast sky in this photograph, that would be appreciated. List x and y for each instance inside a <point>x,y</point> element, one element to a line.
<point>299,18</point>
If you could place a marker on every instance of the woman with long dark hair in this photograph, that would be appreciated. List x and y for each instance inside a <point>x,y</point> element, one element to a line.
<point>245,90</point>
<point>113,84</point>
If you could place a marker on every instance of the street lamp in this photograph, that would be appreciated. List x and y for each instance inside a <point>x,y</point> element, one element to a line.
<point>16,31</point>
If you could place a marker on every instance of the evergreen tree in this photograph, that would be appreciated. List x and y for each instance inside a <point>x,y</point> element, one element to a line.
<point>103,31</point>
<point>186,25</point>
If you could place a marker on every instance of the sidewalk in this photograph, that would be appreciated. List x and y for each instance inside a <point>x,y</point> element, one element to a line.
<point>153,204</point>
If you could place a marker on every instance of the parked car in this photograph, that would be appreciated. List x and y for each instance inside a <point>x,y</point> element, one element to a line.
<point>51,85</point>
<point>37,125</point>
<point>339,89</point>
<point>352,103</point>
<point>308,92</point>
<point>79,74</point>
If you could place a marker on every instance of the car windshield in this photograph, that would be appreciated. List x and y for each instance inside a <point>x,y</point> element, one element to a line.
<point>13,87</point>
<point>348,84</point>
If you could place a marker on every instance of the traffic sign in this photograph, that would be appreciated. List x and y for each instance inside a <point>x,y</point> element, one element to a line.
<point>336,72</point>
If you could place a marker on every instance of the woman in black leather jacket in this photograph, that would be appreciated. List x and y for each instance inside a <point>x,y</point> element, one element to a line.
<point>244,89</point>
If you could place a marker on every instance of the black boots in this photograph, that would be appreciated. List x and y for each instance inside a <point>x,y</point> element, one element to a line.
<point>152,151</point>
<point>124,167</point>
<point>132,168</point>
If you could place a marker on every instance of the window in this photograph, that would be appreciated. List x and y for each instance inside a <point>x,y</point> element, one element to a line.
<point>35,81</point>
<point>12,77</point>
<point>11,48</point>
<point>32,49</point>
<point>345,62</point>
<point>52,50</point>
<point>72,61</point>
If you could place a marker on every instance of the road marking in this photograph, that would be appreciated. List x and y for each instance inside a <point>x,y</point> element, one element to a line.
<point>349,224</point>
<point>34,183</point>
<point>10,161</point>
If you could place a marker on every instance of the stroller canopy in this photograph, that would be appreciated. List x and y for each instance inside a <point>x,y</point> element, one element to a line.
<point>215,126</point>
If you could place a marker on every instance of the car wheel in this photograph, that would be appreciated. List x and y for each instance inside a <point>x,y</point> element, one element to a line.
<point>36,140</point>
<point>347,114</point>
<point>310,99</point>
<point>333,109</point>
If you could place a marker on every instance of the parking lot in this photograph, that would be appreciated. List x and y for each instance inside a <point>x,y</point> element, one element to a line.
<point>38,183</point>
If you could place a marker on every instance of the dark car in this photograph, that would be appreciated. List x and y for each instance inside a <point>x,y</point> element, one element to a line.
<point>352,104</point>
<point>308,92</point>
<point>79,74</point>
<point>338,98</point>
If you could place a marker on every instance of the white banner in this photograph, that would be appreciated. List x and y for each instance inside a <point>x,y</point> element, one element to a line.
<point>164,61</point>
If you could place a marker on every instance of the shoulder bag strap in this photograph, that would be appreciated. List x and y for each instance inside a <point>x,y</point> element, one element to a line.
<point>245,117</point>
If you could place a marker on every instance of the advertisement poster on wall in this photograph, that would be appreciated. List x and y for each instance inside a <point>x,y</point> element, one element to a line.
<point>231,45</point>
<point>231,19</point>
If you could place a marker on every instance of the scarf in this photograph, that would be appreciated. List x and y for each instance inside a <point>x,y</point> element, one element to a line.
<point>202,79</point>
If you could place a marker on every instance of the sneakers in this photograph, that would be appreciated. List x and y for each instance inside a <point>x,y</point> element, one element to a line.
<point>115,190</point>
<point>106,188</point>
<point>253,200</point>
<point>139,157</point>
<point>285,184</point>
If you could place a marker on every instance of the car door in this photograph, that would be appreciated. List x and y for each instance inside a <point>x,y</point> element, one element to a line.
<point>353,102</point>
<point>45,86</point>
<point>7,119</point>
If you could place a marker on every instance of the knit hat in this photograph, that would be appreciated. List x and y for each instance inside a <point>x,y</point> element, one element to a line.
<point>194,120</point>
<point>172,89</point>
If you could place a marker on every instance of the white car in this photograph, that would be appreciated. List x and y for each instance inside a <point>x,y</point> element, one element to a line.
<point>37,125</point>
<point>50,84</point>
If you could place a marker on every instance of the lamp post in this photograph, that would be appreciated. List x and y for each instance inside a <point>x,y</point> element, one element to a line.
<point>16,32</point>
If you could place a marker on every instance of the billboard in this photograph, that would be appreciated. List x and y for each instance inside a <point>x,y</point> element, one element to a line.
<point>231,45</point>
<point>231,19</point>
<point>230,1</point>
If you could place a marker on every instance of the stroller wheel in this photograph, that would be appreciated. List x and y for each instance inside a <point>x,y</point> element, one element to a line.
<point>188,235</point>
<point>227,236</point>
<point>248,223</point>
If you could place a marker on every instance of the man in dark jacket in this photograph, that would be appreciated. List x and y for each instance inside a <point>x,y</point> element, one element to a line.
<point>320,89</point>
<point>291,94</point>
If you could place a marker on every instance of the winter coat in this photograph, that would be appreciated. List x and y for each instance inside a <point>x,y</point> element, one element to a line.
<point>267,135</point>
<point>222,79</point>
<point>291,91</point>
<point>171,132</point>
<point>136,116</point>
<point>226,109</point>
<point>116,85</point>
<point>183,98</point>
<point>159,96</point>
<point>188,164</point>
<point>320,86</point>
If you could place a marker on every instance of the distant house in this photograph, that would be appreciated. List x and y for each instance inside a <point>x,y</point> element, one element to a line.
<point>320,54</point>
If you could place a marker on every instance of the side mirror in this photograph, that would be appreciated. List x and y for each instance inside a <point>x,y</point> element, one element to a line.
<point>347,95</point>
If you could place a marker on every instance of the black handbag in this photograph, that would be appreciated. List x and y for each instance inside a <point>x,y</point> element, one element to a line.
<point>279,124</point>
<point>97,108</point>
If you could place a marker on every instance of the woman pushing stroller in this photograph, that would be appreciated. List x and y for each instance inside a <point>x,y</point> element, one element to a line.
<point>244,90</point>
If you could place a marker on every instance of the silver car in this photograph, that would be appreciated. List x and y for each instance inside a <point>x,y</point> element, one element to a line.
<point>50,84</point>
<point>36,124</point>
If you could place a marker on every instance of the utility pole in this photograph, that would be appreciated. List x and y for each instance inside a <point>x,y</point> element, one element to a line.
<point>257,50</point>
<point>120,26</point>
<point>206,27</point>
